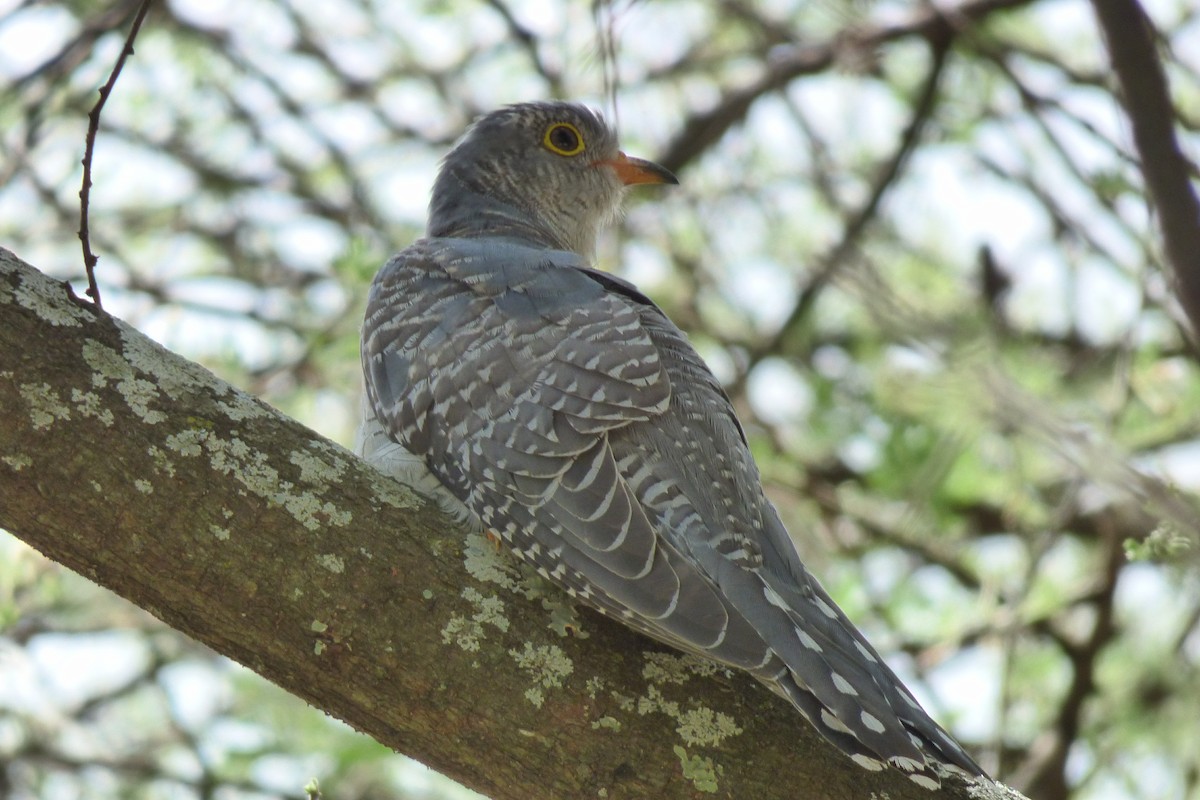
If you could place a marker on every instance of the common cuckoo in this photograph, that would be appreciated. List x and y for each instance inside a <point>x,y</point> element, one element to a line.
<point>557,407</point>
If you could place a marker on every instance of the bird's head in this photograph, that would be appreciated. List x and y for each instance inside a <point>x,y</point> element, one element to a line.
<point>552,173</point>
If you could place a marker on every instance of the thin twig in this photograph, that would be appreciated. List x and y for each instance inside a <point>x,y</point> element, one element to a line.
<point>605,15</point>
<point>85,192</point>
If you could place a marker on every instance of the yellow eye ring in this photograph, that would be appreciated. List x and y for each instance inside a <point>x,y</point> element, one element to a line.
<point>563,138</point>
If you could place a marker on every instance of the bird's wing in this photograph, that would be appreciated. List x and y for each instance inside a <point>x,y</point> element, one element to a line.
<point>481,353</point>
<point>504,368</point>
<point>578,423</point>
<point>698,483</point>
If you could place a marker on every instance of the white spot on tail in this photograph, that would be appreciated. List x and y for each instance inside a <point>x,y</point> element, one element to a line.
<point>866,762</point>
<point>872,722</point>
<point>925,782</point>
<point>808,641</point>
<point>907,764</point>
<point>866,653</point>
<point>773,598</point>
<point>833,723</point>
<point>843,685</point>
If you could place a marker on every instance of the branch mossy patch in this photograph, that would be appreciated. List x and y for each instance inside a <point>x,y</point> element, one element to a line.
<point>317,470</point>
<point>232,456</point>
<point>700,771</point>
<point>703,726</point>
<point>89,404</point>
<point>662,667</point>
<point>547,664</point>
<point>45,406</point>
<point>466,632</point>
<point>17,462</point>
<point>699,725</point>
<point>489,563</point>
<point>332,563</point>
<point>110,366</point>
<point>44,296</point>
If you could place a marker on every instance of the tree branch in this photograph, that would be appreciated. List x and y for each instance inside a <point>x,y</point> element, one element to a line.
<point>1130,36</point>
<point>279,549</point>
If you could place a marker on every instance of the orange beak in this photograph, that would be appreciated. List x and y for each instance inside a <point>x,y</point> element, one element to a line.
<point>634,171</point>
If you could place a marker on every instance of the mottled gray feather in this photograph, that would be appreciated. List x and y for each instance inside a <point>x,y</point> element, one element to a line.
<point>571,417</point>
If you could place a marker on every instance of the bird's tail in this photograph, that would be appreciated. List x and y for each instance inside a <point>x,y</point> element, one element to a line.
<point>933,752</point>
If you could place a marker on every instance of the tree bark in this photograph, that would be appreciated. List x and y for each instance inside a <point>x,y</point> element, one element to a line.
<point>250,533</point>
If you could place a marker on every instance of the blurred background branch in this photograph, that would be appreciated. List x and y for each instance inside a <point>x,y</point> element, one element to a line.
<point>1132,40</point>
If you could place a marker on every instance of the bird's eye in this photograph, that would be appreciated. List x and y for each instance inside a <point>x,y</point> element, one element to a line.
<point>563,138</point>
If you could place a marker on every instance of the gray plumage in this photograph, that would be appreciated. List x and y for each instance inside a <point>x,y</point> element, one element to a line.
<point>559,408</point>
